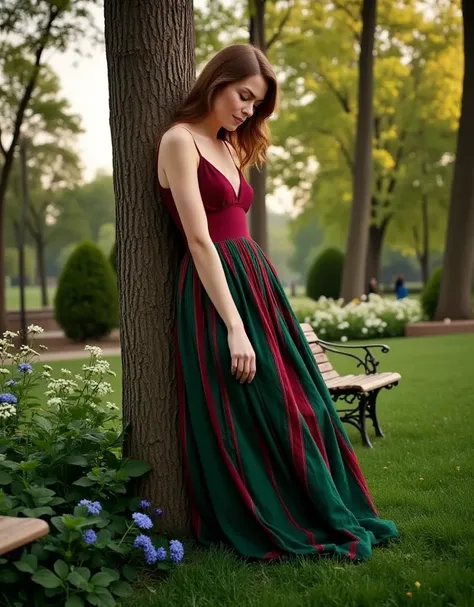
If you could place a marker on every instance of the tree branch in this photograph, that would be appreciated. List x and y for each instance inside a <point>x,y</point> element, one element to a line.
<point>281,25</point>
<point>342,147</point>
<point>344,101</point>
<point>346,10</point>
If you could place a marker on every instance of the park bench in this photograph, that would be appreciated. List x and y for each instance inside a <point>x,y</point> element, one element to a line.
<point>16,532</point>
<point>358,391</point>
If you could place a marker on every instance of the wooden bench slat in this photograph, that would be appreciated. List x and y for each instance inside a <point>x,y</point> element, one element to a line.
<point>16,532</point>
<point>321,358</point>
<point>330,375</point>
<point>325,367</point>
<point>364,383</point>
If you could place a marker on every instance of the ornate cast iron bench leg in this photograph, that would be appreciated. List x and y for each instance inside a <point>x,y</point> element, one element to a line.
<point>372,412</point>
<point>357,415</point>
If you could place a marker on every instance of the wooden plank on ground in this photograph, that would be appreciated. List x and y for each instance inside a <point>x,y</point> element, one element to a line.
<point>16,532</point>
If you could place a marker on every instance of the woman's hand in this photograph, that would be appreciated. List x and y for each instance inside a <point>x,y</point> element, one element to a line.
<point>242,355</point>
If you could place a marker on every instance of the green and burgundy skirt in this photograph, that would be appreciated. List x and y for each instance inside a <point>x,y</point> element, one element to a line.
<point>270,469</point>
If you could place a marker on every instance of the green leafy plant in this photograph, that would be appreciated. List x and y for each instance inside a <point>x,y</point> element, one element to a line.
<point>86,302</point>
<point>60,460</point>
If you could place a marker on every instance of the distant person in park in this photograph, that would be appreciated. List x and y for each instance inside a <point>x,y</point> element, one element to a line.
<point>373,286</point>
<point>401,290</point>
<point>270,468</point>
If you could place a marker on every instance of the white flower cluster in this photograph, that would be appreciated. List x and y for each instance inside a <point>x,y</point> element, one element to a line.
<point>7,410</point>
<point>35,329</point>
<point>93,350</point>
<point>372,316</point>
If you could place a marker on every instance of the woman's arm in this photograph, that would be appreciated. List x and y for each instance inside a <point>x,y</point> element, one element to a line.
<point>179,161</point>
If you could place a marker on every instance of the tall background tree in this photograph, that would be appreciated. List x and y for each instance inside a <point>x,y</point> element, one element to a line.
<point>150,59</point>
<point>456,283</point>
<point>353,277</point>
<point>27,30</point>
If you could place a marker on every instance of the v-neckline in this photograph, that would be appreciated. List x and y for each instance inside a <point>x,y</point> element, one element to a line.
<point>236,194</point>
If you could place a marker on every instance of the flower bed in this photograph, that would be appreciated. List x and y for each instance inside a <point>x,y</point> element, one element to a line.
<point>372,317</point>
<point>60,460</point>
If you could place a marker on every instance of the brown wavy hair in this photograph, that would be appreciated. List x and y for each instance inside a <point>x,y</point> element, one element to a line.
<point>231,64</point>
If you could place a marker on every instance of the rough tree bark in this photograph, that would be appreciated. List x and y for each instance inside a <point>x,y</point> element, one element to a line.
<point>258,177</point>
<point>374,251</point>
<point>150,58</point>
<point>455,293</point>
<point>358,237</point>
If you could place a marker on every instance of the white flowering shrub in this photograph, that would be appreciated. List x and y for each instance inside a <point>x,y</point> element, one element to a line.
<point>61,460</point>
<point>370,317</point>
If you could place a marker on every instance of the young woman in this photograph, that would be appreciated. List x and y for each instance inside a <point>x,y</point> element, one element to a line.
<point>270,468</point>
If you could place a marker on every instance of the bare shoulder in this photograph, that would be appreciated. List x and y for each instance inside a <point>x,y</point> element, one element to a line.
<point>177,137</point>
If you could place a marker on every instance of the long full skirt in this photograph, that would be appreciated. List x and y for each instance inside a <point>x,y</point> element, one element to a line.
<point>270,469</point>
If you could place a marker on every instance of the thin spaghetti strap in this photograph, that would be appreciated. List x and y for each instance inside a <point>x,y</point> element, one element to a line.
<point>231,155</point>
<point>196,145</point>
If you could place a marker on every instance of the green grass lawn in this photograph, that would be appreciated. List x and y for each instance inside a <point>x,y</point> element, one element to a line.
<point>421,476</point>
<point>32,297</point>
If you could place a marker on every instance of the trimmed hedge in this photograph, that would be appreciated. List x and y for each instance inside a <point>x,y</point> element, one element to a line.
<point>86,302</point>
<point>325,275</point>
<point>430,294</point>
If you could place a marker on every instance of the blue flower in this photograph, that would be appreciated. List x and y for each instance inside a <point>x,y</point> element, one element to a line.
<point>89,537</point>
<point>11,382</point>
<point>161,554</point>
<point>142,541</point>
<point>176,551</point>
<point>151,555</point>
<point>25,368</point>
<point>145,504</point>
<point>8,398</point>
<point>149,551</point>
<point>92,507</point>
<point>142,521</point>
<point>159,512</point>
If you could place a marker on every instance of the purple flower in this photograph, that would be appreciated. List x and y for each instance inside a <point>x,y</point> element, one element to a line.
<point>92,507</point>
<point>144,504</point>
<point>176,551</point>
<point>161,554</point>
<point>25,368</point>
<point>89,537</point>
<point>142,521</point>
<point>8,398</point>
<point>159,512</point>
<point>11,382</point>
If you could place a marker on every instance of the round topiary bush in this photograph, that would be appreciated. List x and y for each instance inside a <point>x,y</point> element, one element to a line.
<point>430,294</point>
<point>86,298</point>
<point>325,275</point>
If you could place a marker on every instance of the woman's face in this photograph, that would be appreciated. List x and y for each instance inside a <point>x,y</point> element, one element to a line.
<point>237,102</point>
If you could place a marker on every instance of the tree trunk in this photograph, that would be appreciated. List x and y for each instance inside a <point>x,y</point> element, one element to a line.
<point>455,292</point>
<point>10,153</point>
<point>357,242</point>
<point>150,59</point>
<point>423,248</point>
<point>39,242</point>
<point>257,178</point>
<point>374,251</point>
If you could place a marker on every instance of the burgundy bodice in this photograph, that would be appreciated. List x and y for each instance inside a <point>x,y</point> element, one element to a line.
<point>225,209</point>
